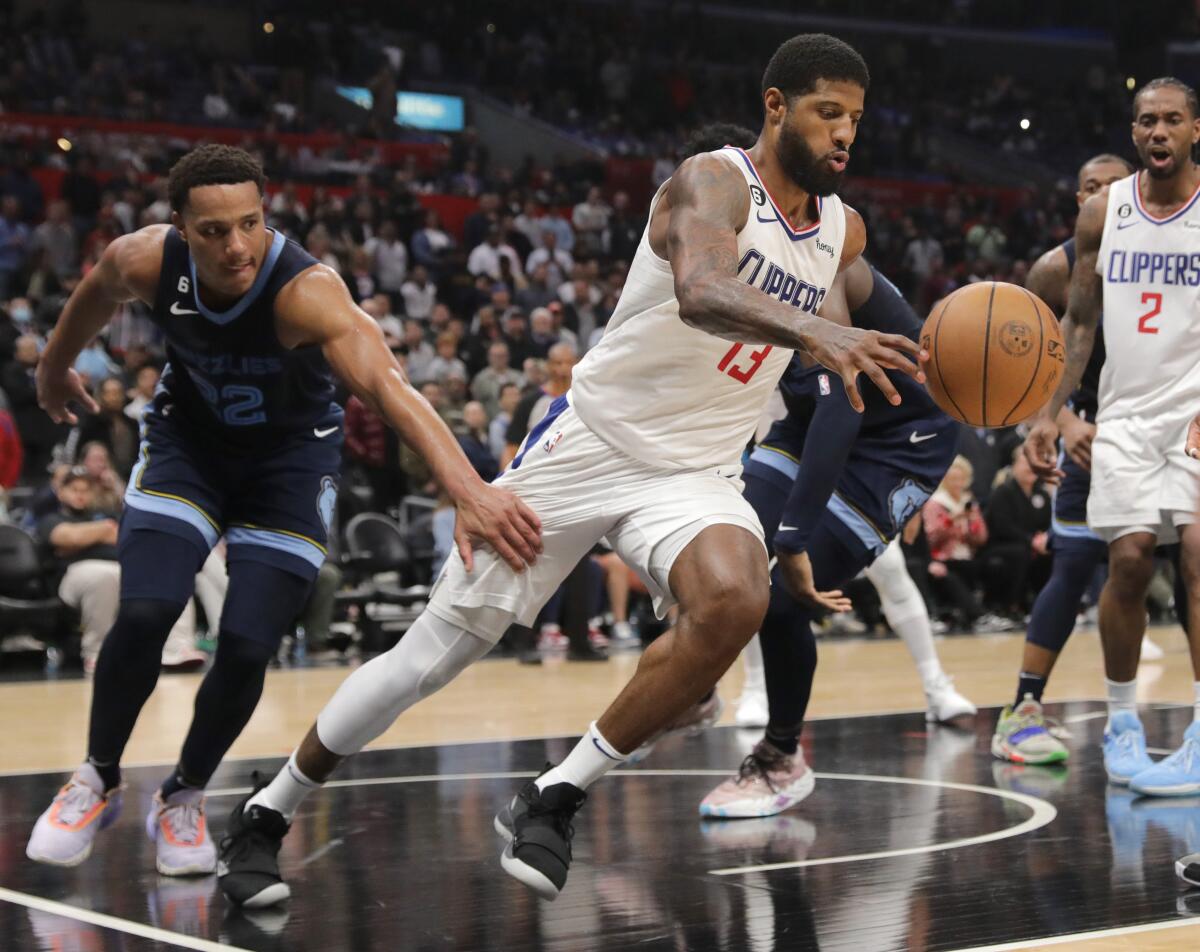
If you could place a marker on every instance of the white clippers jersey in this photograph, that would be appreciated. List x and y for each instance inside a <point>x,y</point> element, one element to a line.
<point>677,397</point>
<point>1151,273</point>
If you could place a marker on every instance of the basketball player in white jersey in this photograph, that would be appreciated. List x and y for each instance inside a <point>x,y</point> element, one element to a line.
<point>645,450</point>
<point>1138,262</point>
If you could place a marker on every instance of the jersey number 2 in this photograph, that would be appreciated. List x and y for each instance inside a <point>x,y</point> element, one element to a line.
<point>1150,297</point>
<point>743,374</point>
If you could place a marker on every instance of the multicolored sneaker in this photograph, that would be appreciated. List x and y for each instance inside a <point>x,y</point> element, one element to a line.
<point>64,834</point>
<point>768,782</point>
<point>1023,738</point>
<point>700,716</point>
<point>1125,748</point>
<point>1177,775</point>
<point>1187,868</point>
<point>180,831</point>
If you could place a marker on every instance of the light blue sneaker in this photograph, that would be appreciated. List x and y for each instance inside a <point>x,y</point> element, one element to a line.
<point>1175,776</point>
<point>1125,748</point>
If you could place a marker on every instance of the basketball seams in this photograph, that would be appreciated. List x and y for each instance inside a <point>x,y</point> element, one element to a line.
<point>937,330</point>
<point>1038,363</point>
<point>987,343</point>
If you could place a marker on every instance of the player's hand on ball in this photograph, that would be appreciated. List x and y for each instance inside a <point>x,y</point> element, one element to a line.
<point>798,580</point>
<point>849,352</point>
<point>1193,438</point>
<point>496,517</point>
<point>56,389</point>
<point>1041,449</point>
<point>1077,441</point>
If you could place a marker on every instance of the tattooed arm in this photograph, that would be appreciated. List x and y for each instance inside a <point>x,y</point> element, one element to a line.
<point>1084,298</point>
<point>707,203</point>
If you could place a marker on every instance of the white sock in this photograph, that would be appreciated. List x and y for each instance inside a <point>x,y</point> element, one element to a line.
<point>591,759</point>
<point>905,611</point>
<point>930,671</point>
<point>755,681</point>
<point>1122,696</point>
<point>1196,705</point>
<point>286,792</point>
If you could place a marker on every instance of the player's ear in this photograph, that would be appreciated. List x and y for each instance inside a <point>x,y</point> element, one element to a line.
<point>1196,130</point>
<point>775,103</point>
<point>177,221</point>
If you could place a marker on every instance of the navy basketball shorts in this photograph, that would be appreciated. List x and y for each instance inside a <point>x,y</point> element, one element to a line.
<point>888,476</point>
<point>273,504</point>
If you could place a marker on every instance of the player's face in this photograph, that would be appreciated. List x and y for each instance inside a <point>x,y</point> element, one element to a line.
<point>815,133</point>
<point>1164,131</point>
<point>1096,176</point>
<point>225,232</point>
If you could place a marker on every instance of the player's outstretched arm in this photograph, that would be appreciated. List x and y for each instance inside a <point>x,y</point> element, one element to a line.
<point>708,202</point>
<point>1084,298</point>
<point>128,269</point>
<point>315,308</point>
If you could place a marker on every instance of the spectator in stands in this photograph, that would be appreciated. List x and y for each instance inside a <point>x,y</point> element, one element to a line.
<point>510,396</point>
<point>80,189</point>
<point>474,441</point>
<point>559,264</point>
<point>432,246</point>
<point>418,350</point>
<point>57,236</point>
<point>379,307</point>
<point>359,278</point>
<point>108,489</point>
<point>624,230</point>
<point>481,221</point>
<point>374,452</point>
<point>530,222</point>
<point>560,330</point>
<point>485,257</point>
<point>541,332</point>
<point>389,258</point>
<point>515,330</point>
<point>921,257</point>
<point>590,220</point>
<point>83,546</point>
<point>111,427</point>
<point>987,241</point>
<point>1017,557</point>
<point>446,361</point>
<point>494,377</point>
<point>418,293</point>
<point>14,245</point>
<point>538,291</point>
<point>533,406</point>
<point>142,392</point>
<point>38,432</point>
<point>94,364</point>
<point>12,454</point>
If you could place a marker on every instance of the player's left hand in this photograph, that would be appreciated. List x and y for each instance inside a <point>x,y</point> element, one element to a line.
<point>496,517</point>
<point>1193,438</point>
<point>796,569</point>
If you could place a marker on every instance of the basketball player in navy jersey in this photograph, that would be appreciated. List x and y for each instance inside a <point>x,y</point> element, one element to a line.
<point>243,439</point>
<point>1021,733</point>
<point>829,509</point>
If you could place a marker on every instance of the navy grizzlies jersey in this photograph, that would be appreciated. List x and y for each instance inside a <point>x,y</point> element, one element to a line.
<point>885,311</point>
<point>227,373</point>
<point>1084,400</point>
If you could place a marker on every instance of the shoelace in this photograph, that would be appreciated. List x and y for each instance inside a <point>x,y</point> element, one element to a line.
<point>77,799</point>
<point>755,766</point>
<point>185,820</point>
<point>1126,742</point>
<point>561,819</point>
<point>1184,755</point>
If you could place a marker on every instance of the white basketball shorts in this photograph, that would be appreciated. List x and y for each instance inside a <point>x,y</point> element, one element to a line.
<point>1142,480</point>
<point>584,490</point>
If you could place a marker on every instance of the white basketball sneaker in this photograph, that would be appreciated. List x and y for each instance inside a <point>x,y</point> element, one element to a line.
<point>943,702</point>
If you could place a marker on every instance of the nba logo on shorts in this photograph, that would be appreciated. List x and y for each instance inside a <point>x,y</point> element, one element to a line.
<point>552,441</point>
<point>823,384</point>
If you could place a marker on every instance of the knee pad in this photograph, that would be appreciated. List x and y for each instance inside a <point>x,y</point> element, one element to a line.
<point>889,575</point>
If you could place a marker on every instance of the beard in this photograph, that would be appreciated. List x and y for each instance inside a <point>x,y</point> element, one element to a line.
<point>1178,160</point>
<point>805,167</point>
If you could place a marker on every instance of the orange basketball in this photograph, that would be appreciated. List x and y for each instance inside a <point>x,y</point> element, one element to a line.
<point>996,354</point>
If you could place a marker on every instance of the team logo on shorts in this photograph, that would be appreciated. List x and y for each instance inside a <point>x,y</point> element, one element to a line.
<point>327,501</point>
<point>1016,339</point>
<point>906,501</point>
<point>552,441</point>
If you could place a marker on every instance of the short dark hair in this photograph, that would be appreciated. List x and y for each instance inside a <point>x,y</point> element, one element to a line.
<point>1169,82</point>
<point>212,164</point>
<point>804,59</point>
<point>717,135</point>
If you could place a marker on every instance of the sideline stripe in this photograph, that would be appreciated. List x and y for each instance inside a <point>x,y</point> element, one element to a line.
<point>176,939</point>
<point>1085,936</point>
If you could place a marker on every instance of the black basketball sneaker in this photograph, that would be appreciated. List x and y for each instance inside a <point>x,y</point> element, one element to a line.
<point>1188,869</point>
<point>537,825</point>
<point>248,862</point>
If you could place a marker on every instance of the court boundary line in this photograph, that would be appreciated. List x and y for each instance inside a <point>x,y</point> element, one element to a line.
<point>114,923</point>
<point>515,740</point>
<point>1085,936</point>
